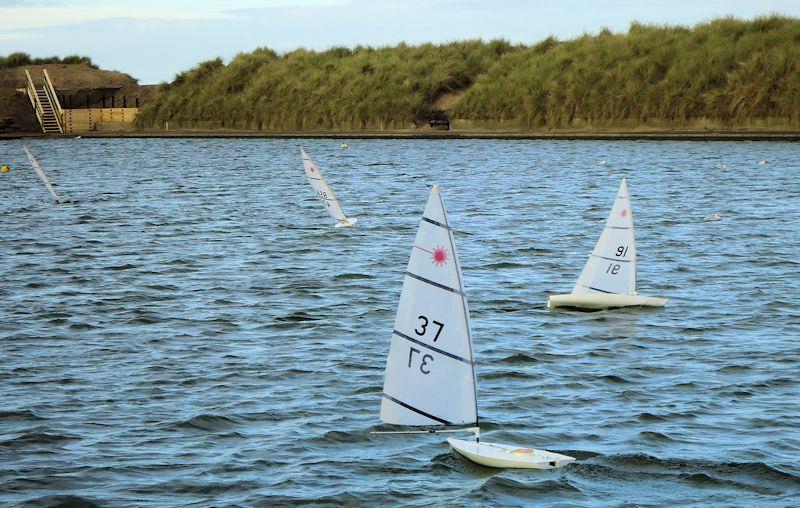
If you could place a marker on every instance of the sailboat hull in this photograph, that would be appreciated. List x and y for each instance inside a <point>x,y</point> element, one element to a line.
<point>346,223</point>
<point>508,456</point>
<point>604,301</point>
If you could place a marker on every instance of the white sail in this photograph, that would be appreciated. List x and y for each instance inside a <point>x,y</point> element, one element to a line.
<point>42,175</point>
<point>321,188</point>
<point>430,378</point>
<point>611,267</point>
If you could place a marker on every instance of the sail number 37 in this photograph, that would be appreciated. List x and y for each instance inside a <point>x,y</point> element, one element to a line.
<point>423,327</point>
<point>421,330</point>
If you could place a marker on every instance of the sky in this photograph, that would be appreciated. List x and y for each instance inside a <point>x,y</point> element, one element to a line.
<point>153,40</point>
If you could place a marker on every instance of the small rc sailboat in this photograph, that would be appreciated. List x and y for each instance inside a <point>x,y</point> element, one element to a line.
<point>609,277</point>
<point>324,193</point>
<point>42,176</point>
<point>430,375</point>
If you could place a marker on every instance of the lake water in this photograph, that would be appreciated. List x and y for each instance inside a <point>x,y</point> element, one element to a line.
<point>193,330</point>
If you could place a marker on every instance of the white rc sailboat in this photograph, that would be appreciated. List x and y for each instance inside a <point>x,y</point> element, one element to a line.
<point>324,193</point>
<point>42,176</point>
<point>609,277</point>
<point>430,379</point>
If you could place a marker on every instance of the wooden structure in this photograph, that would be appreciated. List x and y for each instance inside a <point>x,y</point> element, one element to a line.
<point>55,120</point>
<point>45,103</point>
<point>93,119</point>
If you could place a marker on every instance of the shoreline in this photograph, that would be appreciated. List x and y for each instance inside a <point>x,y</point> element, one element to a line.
<point>667,135</point>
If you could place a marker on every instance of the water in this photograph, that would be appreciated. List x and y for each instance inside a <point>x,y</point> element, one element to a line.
<point>194,332</point>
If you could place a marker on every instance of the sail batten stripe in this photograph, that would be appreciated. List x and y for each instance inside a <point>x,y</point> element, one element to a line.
<point>436,223</point>
<point>600,290</point>
<point>618,227</point>
<point>313,178</point>
<point>436,349</point>
<point>610,259</point>
<point>418,411</point>
<point>435,284</point>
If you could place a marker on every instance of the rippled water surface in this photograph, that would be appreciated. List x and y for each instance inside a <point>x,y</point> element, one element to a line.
<point>193,330</point>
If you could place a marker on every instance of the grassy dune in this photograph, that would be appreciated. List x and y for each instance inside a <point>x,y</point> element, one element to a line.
<point>726,72</point>
<point>19,59</point>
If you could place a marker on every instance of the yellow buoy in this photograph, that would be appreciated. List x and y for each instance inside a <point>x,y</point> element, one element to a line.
<point>4,169</point>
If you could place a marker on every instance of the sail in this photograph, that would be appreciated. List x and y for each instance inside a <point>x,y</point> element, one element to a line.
<point>430,378</point>
<point>321,188</point>
<point>611,267</point>
<point>42,175</point>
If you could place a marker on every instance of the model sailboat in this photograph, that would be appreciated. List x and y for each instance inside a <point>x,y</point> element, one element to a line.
<point>324,193</point>
<point>609,277</point>
<point>42,176</point>
<point>430,376</point>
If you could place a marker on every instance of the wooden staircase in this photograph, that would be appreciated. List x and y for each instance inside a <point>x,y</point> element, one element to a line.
<point>45,103</point>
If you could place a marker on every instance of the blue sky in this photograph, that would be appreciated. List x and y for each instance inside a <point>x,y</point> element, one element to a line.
<point>153,40</point>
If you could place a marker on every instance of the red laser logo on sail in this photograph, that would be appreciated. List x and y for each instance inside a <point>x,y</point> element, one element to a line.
<point>624,213</point>
<point>311,168</point>
<point>439,256</point>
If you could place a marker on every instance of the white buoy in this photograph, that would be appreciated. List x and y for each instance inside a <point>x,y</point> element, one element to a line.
<point>721,166</point>
<point>343,146</point>
<point>712,217</point>
<point>762,162</point>
<point>602,162</point>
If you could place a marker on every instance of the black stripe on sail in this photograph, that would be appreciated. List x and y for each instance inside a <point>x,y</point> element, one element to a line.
<point>600,290</point>
<point>435,223</point>
<point>611,259</point>
<point>617,227</point>
<point>436,284</point>
<point>436,349</point>
<point>313,178</point>
<point>418,411</point>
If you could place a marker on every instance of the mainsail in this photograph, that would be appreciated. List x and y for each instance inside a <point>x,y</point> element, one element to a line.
<point>430,379</point>
<point>42,175</point>
<point>321,188</point>
<point>611,267</point>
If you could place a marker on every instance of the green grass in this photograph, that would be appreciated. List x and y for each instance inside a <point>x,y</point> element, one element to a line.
<point>728,71</point>
<point>20,59</point>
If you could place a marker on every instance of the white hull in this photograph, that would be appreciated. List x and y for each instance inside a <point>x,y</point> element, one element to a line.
<point>507,456</point>
<point>604,301</point>
<point>346,223</point>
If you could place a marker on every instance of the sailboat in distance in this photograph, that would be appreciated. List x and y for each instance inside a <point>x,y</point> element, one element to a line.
<point>430,376</point>
<point>609,277</point>
<point>324,193</point>
<point>42,175</point>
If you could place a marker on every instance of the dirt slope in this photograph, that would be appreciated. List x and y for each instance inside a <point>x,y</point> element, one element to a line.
<point>75,81</point>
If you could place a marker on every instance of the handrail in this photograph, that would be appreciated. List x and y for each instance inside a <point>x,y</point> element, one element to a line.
<point>51,94</point>
<point>37,106</point>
